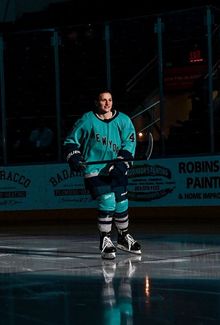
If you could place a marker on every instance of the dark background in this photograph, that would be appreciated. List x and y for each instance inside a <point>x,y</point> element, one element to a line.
<point>82,11</point>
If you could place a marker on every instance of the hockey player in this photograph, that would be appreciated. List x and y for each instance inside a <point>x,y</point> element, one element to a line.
<point>98,135</point>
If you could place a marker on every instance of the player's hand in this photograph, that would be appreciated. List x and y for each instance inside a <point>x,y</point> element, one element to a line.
<point>119,169</point>
<point>75,162</point>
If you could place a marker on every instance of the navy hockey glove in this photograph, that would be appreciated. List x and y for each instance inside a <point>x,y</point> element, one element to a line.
<point>119,169</point>
<point>75,161</point>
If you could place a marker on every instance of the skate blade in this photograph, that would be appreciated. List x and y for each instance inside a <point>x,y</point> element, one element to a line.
<point>127,250</point>
<point>108,256</point>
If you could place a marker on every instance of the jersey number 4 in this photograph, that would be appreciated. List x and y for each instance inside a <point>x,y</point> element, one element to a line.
<point>132,137</point>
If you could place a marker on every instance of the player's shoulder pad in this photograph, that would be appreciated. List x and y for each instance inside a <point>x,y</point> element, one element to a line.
<point>85,118</point>
<point>124,116</point>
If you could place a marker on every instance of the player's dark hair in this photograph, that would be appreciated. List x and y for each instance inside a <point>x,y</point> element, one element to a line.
<point>101,91</point>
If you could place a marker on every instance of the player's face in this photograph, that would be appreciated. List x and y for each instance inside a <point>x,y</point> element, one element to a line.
<point>104,103</point>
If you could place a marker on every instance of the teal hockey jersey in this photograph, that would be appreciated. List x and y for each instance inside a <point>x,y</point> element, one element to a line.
<point>99,139</point>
